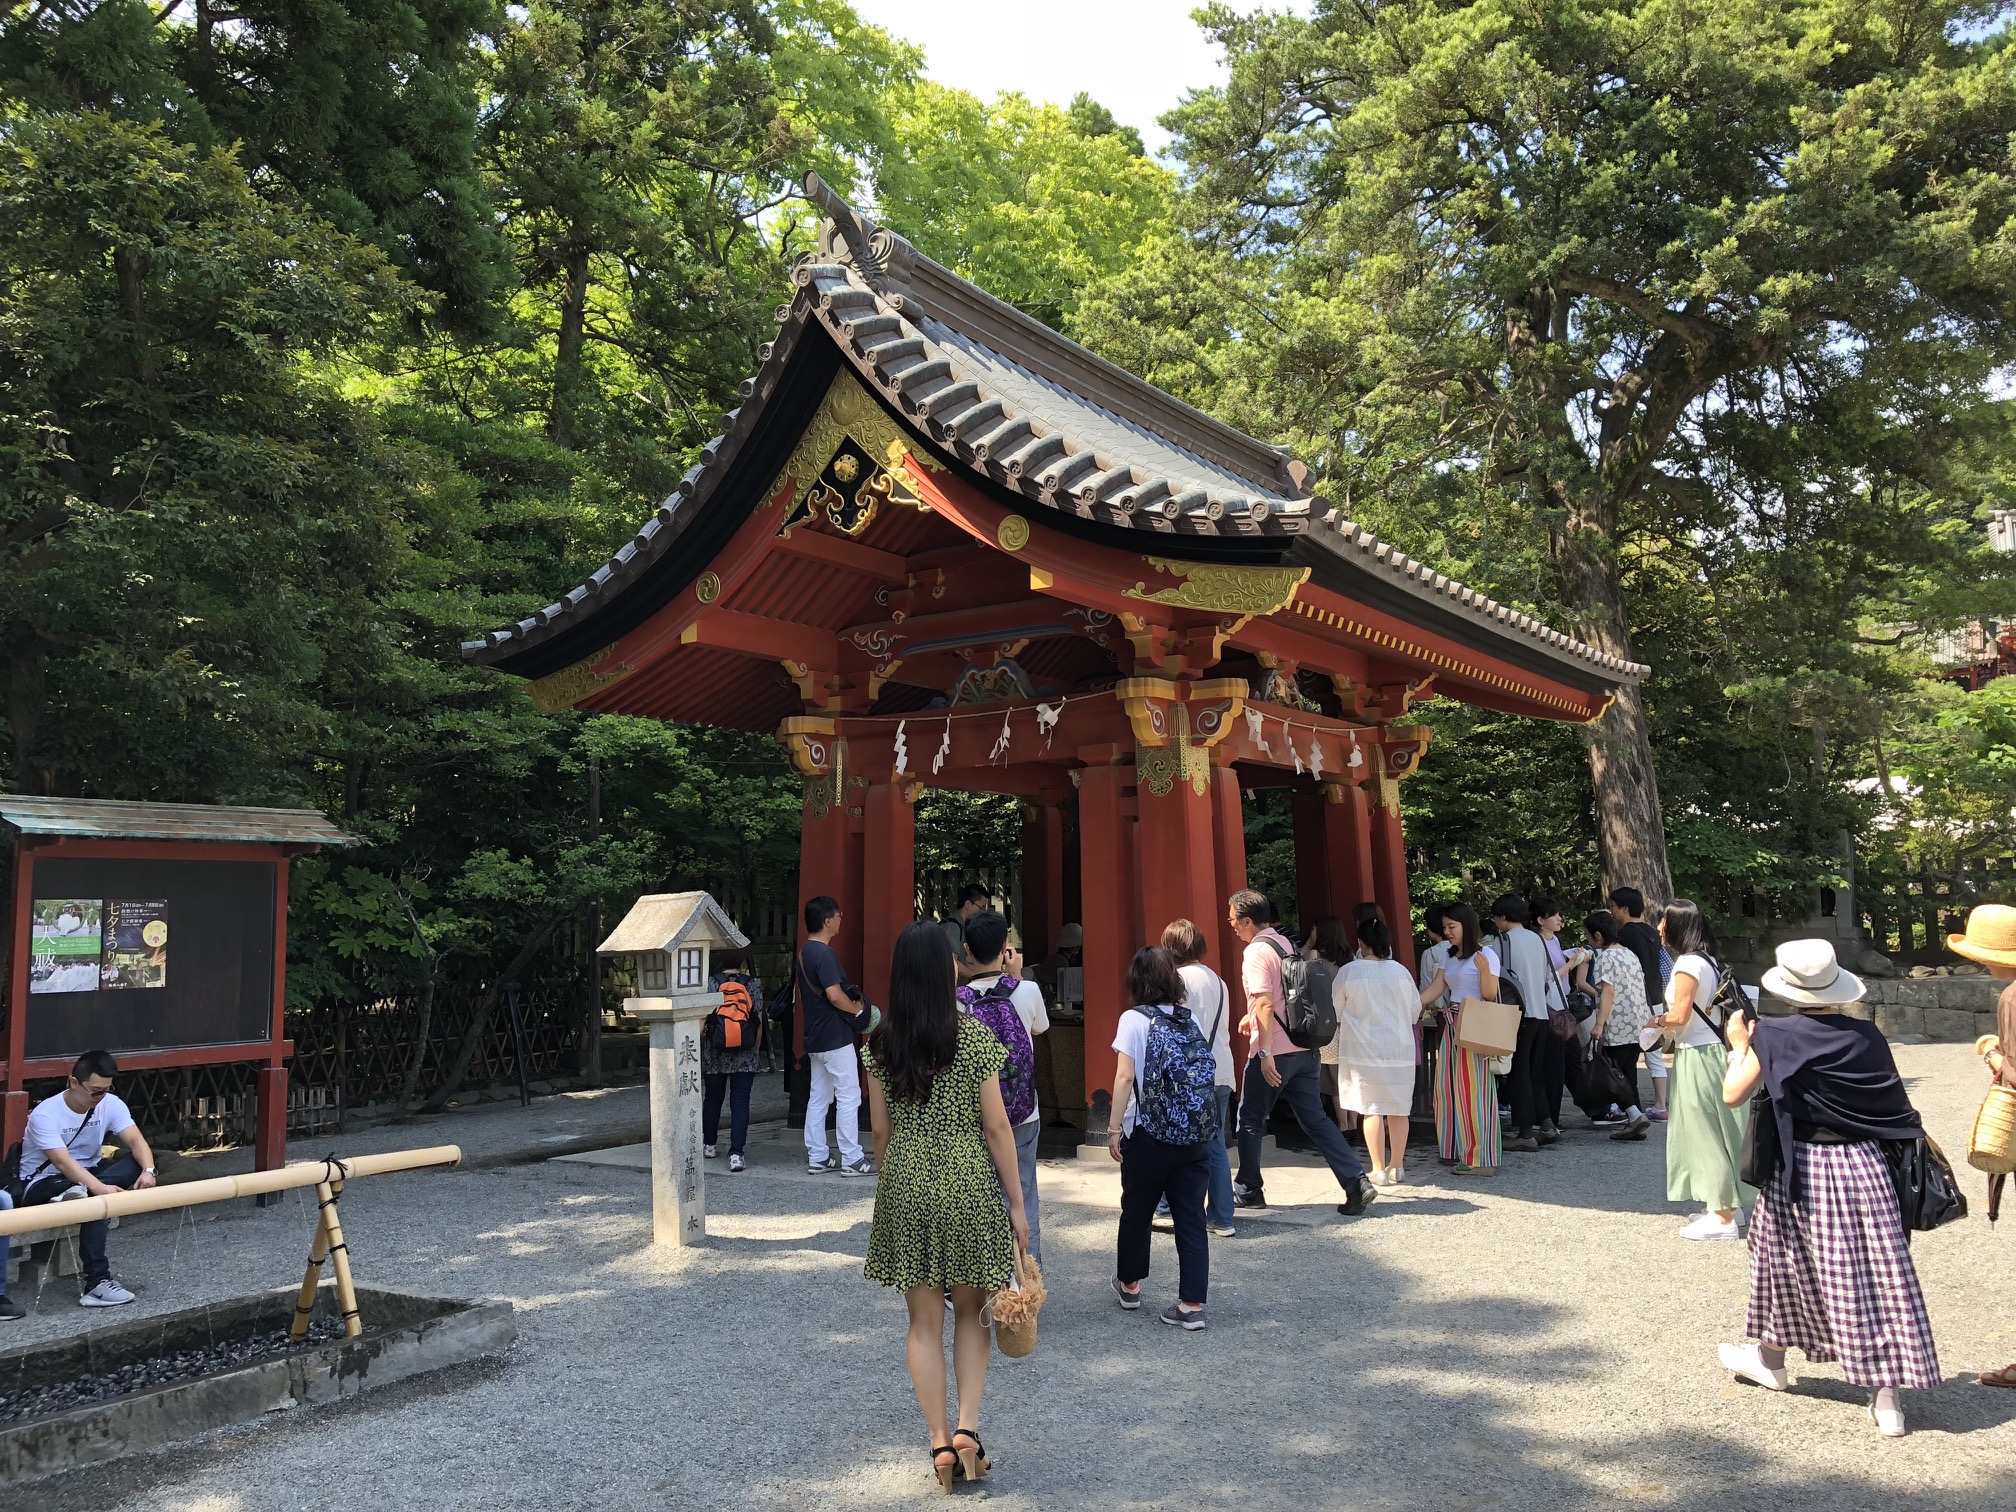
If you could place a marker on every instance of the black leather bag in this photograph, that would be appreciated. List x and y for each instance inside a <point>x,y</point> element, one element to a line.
<point>1602,1083</point>
<point>1928,1193</point>
<point>1763,1154</point>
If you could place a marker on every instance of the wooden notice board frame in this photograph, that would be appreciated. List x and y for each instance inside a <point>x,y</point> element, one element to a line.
<point>91,830</point>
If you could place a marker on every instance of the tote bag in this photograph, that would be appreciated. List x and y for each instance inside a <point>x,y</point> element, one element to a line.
<point>1488,1028</point>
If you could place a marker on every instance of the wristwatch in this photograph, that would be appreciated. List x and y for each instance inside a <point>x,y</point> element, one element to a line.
<point>146,1170</point>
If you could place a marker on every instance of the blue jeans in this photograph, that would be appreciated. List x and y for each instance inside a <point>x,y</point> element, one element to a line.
<point>736,1086</point>
<point>1302,1086</point>
<point>1218,1195</point>
<point>1027,1136</point>
<point>122,1170</point>
<point>6,1244</point>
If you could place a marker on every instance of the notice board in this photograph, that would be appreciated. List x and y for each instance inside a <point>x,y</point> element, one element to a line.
<point>149,955</point>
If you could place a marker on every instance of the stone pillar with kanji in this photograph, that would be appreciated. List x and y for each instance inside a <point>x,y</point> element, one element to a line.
<point>669,940</point>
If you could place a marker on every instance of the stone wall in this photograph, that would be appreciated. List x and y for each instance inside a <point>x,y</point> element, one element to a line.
<point>1911,1010</point>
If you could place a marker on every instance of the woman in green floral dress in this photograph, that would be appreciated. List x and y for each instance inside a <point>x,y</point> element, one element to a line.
<point>946,1154</point>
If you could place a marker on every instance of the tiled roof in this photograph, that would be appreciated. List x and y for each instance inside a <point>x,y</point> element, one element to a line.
<point>1042,416</point>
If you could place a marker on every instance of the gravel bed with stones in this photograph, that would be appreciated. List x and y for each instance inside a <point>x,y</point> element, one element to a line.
<point>161,1370</point>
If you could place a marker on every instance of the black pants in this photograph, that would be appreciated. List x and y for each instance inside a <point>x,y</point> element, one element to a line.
<point>1528,1074</point>
<point>120,1171</point>
<point>1301,1081</point>
<point>1149,1171</point>
<point>1553,1076</point>
<point>736,1085</point>
<point>1625,1059</point>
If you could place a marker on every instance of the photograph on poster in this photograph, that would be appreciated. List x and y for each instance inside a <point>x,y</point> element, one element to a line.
<point>136,944</point>
<point>65,944</point>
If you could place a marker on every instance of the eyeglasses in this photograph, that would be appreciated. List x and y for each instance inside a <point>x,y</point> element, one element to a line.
<point>94,1093</point>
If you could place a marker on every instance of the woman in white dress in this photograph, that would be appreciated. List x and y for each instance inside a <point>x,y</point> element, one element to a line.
<point>1377,1004</point>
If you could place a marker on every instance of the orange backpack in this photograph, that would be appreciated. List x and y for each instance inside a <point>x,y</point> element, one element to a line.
<point>732,1027</point>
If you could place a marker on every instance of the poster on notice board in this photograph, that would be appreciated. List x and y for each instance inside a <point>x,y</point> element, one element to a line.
<point>65,944</point>
<point>136,944</point>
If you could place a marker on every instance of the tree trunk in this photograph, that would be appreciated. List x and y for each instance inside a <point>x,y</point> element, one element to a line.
<point>1630,824</point>
<point>567,376</point>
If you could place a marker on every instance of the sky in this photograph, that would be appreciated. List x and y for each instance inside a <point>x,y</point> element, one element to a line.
<point>1136,57</point>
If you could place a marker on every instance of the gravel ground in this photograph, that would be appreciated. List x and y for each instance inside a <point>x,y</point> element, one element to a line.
<point>1542,1341</point>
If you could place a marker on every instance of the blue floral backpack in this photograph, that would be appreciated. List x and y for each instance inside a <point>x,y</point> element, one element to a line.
<point>996,1009</point>
<point>1179,1076</point>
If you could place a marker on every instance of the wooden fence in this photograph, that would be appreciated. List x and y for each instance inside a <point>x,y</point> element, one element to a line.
<point>1909,914</point>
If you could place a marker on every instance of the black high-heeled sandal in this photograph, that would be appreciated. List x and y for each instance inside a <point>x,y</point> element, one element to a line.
<point>973,1461</point>
<point>947,1474</point>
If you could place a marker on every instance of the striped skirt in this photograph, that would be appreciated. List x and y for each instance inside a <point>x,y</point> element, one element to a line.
<point>1466,1105</point>
<point>1833,1276</point>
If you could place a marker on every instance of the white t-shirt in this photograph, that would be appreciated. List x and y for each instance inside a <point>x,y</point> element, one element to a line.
<point>1207,996</point>
<point>1705,983</point>
<point>53,1126</point>
<point>1028,1001</point>
<point>1131,1039</point>
<point>1462,976</point>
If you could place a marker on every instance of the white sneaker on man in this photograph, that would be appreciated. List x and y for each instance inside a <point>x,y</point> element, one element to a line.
<point>1747,1361</point>
<point>1708,1226</point>
<point>107,1293</point>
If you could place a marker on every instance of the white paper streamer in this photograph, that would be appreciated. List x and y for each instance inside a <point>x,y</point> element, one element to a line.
<point>902,747</point>
<point>944,748</point>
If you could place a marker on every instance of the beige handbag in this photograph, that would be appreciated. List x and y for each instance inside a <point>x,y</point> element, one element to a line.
<point>1991,1144</point>
<point>1488,1028</point>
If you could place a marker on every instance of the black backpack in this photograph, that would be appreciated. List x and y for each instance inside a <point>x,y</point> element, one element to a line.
<point>1307,1013</point>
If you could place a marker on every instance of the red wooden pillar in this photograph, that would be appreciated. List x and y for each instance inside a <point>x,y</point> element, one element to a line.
<point>1042,880</point>
<point>269,1143</point>
<point>1315,860</point>
<point>1228,835</point>
<point>1178,870</point>
<point>1106,855</point>
<point>888,881</point>
<point>829,866</point>
<point>1347,828</point>
<point>14,1117</point>
<point>1389,876</point>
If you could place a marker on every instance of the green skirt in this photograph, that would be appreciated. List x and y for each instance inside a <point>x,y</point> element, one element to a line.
<point>1704,1135</point>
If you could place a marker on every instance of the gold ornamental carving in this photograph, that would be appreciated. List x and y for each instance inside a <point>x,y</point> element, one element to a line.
<point>818,796</point>
<point>707,587</point>
<point>810,740</point>
<point>567,687</point>
<point>1013,534</point>
<point>850,459</point>
<point>1223,589</point>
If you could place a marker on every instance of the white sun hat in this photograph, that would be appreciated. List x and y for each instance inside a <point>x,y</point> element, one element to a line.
<point>1807,972</point>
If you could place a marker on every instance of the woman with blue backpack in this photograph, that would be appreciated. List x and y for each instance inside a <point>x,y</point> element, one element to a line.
<point>1165,1112</point>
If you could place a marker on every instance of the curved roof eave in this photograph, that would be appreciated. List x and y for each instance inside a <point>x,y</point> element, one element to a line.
<point>1124,455</point>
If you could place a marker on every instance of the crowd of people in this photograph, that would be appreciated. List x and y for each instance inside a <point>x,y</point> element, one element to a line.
<point>1343,1034</point>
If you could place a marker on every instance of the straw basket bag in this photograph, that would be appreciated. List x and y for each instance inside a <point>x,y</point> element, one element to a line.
<point>1991,1145</point>
<point>1015,1308</point>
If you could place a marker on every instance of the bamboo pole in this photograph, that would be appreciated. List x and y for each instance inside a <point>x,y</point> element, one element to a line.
<point>181,1194</point>
<point>304,1305</point>
<point>346,1293</point>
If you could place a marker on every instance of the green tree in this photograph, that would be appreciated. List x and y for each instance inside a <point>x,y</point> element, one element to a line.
<point>1031,202</point>
<point>1510,263</point>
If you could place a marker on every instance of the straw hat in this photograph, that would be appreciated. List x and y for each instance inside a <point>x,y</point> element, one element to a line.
<point>1990,937</point>
<point>1807,972</point>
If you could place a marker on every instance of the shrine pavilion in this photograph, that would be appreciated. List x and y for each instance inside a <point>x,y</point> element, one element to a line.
<point>940,545</point>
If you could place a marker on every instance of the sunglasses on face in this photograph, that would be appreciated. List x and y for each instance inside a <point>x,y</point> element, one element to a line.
<point>94,1093</point>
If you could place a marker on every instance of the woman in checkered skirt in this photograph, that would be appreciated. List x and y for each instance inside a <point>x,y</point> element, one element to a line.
<point>1830,1266</point>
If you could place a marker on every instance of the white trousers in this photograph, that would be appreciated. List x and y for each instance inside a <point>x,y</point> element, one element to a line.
<point>836,1083</point>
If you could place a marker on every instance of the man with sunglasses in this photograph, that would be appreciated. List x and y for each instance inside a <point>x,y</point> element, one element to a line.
<point>61,1157</point>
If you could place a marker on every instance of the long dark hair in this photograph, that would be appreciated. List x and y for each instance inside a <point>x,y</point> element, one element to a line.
<point>1687,931</point>
<point>1328,940</point>
<point>1473,932</point>
<point>919,1034</point>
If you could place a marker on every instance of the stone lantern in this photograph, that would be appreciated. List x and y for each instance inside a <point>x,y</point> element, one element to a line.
<point>672,937</point>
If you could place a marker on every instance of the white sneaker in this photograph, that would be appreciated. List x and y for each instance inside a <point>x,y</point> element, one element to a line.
<point>736,1163</point>
<point>1708,1226</point>
<point>70,1193</point>
<point>1747,1361</point>
<point>710,1151</point>
<point>107,1293</point>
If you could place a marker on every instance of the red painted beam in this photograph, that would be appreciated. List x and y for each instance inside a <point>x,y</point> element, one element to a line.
<point>759,636</point>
